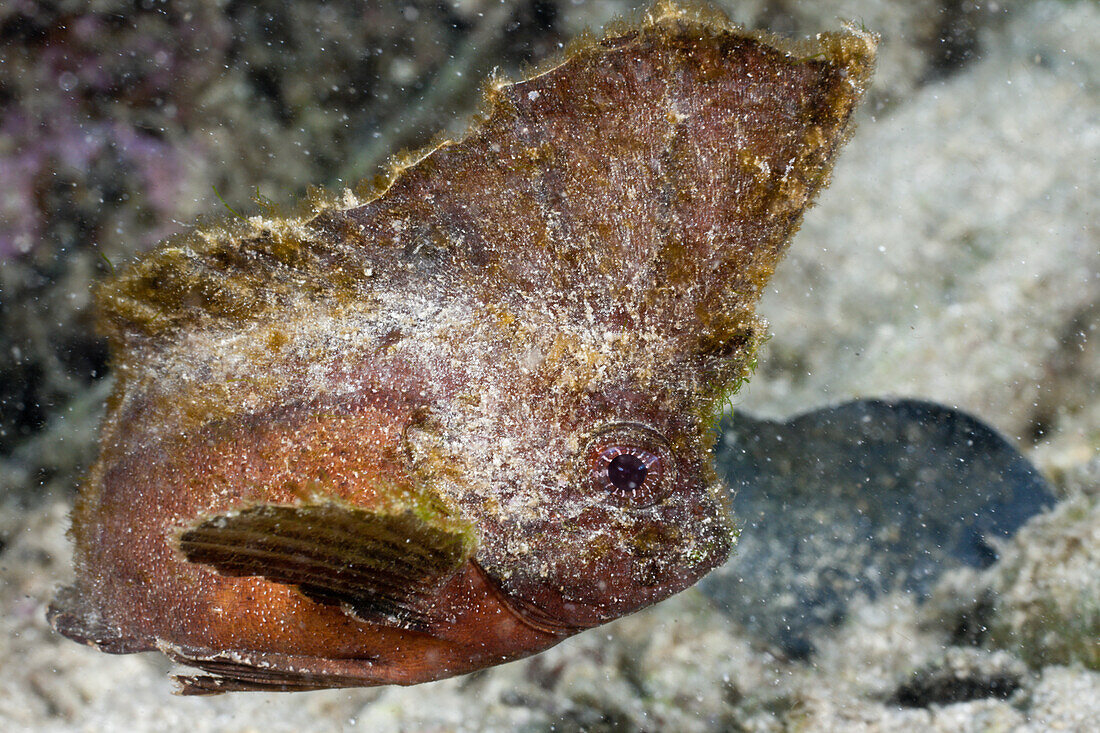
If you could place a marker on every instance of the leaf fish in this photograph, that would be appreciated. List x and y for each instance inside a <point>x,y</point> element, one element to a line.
<point>448,421</point>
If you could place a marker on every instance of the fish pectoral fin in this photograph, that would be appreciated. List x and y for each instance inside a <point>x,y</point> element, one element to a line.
<point>379,565</point>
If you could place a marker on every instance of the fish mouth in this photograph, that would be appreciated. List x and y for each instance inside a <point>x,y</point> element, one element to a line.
<point>606,563</point>
<point>558,614</point>
<point>528,613</point>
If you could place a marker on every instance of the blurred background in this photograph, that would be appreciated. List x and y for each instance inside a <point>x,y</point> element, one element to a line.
<point>956,258</point>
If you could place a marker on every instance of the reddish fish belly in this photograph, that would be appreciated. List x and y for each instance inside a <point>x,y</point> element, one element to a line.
<point>255,620</point>
<point>139,593</point>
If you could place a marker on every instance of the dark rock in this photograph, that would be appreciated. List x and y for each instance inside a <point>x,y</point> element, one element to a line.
<point>859,499</point>
<point>959,676</point>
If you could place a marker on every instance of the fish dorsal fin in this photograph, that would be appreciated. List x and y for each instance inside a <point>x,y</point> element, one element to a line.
<point>664,167</point>
<point>379,565</point>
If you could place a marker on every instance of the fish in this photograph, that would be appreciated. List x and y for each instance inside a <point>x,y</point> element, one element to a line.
<point>450,418</point>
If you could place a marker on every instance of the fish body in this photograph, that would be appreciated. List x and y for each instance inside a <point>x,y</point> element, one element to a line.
<point>418,430</point>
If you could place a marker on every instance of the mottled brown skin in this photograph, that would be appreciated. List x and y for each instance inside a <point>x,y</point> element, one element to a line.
<point>373,443</point>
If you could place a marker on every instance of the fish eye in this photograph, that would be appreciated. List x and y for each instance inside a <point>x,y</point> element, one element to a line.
<point>630,463</point>
<point>627,468</point>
